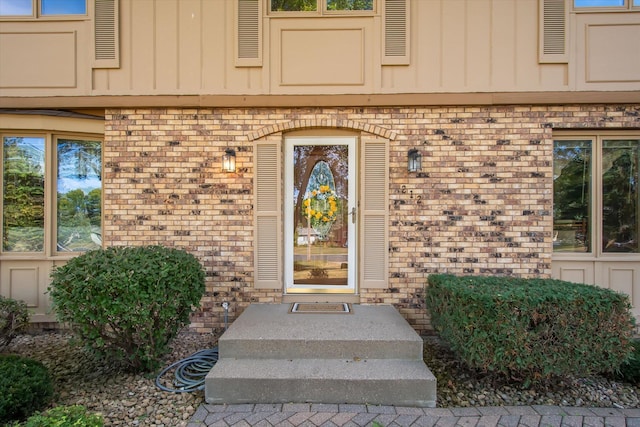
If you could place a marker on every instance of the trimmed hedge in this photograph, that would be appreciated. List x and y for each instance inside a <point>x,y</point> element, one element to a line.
<point>128,303</point>
<point>25,387</point>
<point>531,329</point>
<point>630,369</point>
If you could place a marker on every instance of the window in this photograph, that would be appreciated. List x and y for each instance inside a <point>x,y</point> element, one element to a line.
<point>16,8</point>
<point>596,194</point>
<point>72,169</point>
<point>594,4</point>
<point>63,7</point>
<point>35,8</point>
<point>323,5</point>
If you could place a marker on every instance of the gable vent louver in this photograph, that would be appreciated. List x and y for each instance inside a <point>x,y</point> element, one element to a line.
<point>248,32</point>
<point>553,38</point>
<point>396,46</point>
<point>106,33</point>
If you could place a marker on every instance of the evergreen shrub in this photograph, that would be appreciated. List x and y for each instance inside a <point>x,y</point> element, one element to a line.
<point>630,369</point>
<point>128,303</point>
<point>64,416</point>
<point>14,319</point>
<point>531,329</point>
<point>25,387</point>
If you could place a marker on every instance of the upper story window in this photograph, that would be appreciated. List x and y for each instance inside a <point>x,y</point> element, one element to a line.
<point>617,4</point>
<point>320,5</point>
<point>42,8</point>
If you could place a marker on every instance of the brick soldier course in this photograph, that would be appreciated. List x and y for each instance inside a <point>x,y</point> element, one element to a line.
<point>481,205</point>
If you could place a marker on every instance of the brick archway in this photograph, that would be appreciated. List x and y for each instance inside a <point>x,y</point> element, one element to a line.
<point>309,124</point>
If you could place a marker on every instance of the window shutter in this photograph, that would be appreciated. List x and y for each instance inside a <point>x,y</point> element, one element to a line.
<point>106,34</point>
<point>553,31</point>
<point>374,213</point>
<point>268,223</point>
<point>249,33</point>
<point>395,32</point>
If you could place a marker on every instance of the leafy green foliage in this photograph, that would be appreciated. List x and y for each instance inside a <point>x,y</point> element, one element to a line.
<point>25,387</point>
<point>64,416</point>
<point>531,329</point>
<point>14,319</point>
<point>630,370</point>
<point>128,303</point>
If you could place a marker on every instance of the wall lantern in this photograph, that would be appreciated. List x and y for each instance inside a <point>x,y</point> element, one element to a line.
<point>229,160</point>
<point>414,160</point>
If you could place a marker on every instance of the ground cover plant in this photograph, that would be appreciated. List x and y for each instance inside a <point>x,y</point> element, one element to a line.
<point>128,303</point>
<point>531,329</point>
<point>64,416</point>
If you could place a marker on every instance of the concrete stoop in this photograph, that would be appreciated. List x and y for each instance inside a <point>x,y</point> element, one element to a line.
<point>370,356</point>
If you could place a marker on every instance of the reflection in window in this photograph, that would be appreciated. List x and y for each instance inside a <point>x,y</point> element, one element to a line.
<point>23,194</point>
<point>598,3</point>
<point>572,196</point>
<point>293,5</point>
<point>79,184</point>
<point>63,7</point>
<point>620,195</point>
<point>16,7</point>
<point>320,226</point>
<point>349,4</point>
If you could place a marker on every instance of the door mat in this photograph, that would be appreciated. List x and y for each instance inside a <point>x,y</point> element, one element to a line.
<point>321,308</point>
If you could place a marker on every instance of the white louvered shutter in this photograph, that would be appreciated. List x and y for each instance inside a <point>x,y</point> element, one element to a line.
<point>268,222</point>
<point>374,213</point>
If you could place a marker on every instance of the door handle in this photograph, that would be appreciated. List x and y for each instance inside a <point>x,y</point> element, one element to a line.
<point>353,215</point>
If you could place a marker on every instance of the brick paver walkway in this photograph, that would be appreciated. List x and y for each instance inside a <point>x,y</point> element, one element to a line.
<point>329,415</point>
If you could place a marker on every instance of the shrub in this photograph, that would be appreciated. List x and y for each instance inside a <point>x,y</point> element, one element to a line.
<point>630,370</point>
<point>128,303</point>
<point>25,387</point>
<point>531,329</point>
<point>64,416</point>
<point>14,319</point>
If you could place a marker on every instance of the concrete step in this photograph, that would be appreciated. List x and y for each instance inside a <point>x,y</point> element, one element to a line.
<point>359,381</point>
<point>372,355</point>
<point>269,331</point>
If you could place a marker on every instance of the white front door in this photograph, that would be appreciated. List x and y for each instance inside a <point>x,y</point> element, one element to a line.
<point>320,215</point>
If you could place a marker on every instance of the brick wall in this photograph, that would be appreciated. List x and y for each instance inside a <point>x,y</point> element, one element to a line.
<point>481,205</point>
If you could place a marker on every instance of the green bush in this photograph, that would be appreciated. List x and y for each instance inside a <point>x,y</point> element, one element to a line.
<point>14,319</point>
<point>64,416</point>
<point>25,387</point>
<point>128,303</point>
<point>531,329</point>
<point>630,370</point>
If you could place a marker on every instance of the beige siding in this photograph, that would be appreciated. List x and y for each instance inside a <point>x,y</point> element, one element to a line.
<point>188,47</point>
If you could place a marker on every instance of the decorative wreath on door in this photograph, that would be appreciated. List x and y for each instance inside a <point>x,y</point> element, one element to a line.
<point>320,207</point>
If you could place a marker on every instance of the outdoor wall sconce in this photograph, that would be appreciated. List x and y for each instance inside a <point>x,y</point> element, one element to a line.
<point>415,160</point>
<point>229,160</point>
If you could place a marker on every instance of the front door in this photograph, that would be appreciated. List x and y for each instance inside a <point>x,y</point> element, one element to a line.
<point>320,215</point>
